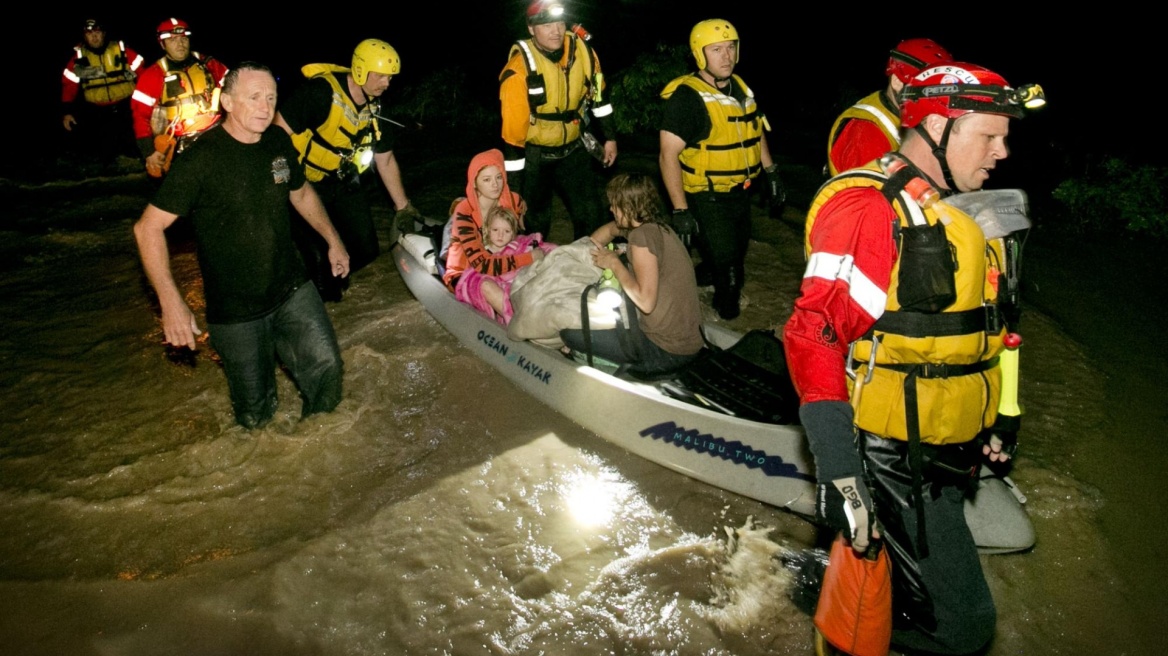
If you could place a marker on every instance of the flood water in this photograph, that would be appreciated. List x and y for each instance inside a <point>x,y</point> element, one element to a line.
<point>440,510</point>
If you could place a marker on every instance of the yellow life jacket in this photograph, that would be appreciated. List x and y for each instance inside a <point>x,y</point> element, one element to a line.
<point>869,108</point>
<point>190,98</point>
<point>106,77</point>
<point>951,355</point>
<point>732,154</point>
<point>343,144</point>
<point>557,91</point>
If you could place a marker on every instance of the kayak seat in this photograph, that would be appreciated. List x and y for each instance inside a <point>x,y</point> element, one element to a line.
<point>747,380</point>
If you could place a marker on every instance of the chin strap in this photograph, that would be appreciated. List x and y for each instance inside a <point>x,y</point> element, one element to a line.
<point>939,151</point>
<point>718,81</point>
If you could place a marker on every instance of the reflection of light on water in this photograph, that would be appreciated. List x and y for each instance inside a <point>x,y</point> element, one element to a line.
<point>591,500</point>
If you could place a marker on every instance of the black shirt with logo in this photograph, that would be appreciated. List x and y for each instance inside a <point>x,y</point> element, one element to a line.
<point>236,196</point>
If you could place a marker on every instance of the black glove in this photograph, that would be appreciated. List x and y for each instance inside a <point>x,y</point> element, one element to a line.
<point>775,186</point>
<point>842,501</point>
<point>684,224</point>
<point>845,505</point>
<point>1001,438</point>
<point>409,219</point>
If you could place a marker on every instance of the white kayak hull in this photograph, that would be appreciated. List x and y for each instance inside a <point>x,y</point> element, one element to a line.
<point>767,462</point>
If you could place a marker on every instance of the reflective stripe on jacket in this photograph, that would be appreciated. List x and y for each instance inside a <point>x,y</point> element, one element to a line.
<point>957,384</point>
<point>870,109</point>
<point>105,78</point>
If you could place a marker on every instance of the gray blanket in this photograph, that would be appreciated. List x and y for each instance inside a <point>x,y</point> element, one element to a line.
<point>546,295</point>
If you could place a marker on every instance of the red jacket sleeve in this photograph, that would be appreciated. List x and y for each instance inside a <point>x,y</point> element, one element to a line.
<point>844,291</point>
<point>217,70</point>
<point>69,83</point>
<point>133,60</point>
<point>146,94</point>
<point>858,143</point>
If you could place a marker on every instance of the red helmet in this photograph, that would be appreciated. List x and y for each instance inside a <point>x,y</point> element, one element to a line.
<point>912,56</point>
<point>541,12</point>
<point>956,89</point>
<point>173,27</point>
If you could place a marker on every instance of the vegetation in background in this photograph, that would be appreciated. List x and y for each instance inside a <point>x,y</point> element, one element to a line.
<point>635,91</point>
<point>444,103</point>
<point>1116,197</point>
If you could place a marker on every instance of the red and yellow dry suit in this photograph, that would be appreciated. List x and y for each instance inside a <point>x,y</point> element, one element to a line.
<point>103,78</point>
<point>187,96</point>
<point>862,133</point>
<point>850,285</point>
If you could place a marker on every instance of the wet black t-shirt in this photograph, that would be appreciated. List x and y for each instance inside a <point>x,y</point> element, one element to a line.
<point>236,195</point>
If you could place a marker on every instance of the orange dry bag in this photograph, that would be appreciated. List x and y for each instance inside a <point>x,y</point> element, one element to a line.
<point>855,604</point>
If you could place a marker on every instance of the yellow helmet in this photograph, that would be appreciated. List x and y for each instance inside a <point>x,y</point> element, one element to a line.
<point>374,56</point>
<point>714,30</point>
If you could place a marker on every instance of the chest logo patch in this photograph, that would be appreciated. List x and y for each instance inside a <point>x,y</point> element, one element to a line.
<point>281,173</point>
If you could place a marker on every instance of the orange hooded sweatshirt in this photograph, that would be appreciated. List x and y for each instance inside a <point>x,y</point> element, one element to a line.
<point>466,238</point>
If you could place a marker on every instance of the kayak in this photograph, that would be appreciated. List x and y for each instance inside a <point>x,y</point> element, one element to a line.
<point>769,462</point>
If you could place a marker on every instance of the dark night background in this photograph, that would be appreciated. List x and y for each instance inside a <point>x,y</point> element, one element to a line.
<point>805,62</point>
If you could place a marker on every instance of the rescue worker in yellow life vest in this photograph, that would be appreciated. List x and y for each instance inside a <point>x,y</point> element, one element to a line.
<point>176,98</point>
<point>871,127</point>
<point>96,85</point>
<point>712,149</point>
<point>337,125</point>
<point>555,114</point>
<point>896,347</point>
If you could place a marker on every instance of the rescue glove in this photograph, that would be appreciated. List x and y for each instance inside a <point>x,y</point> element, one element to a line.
<point>1000,441</point>
<point>409,219</point>
<point>775,186</point>
<point>842,500</point>
<point>684,224</point>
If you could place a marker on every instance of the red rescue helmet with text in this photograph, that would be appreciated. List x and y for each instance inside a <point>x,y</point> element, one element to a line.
<point>374,56</point>
<point>173,27</point>
<point>953,90</point>
<point>912,56</point>
<point>714,30</point>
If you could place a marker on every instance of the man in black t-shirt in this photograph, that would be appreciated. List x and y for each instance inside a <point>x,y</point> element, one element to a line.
<point>235,184</point>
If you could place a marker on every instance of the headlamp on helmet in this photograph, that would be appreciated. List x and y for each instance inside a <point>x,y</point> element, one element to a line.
<point>707,32</point>
<point>374,56</point>
<point>92,25</point>
<point>1031,96</point>
<point>954,90</point>
<point>173,27</point>
<point>542,12</point>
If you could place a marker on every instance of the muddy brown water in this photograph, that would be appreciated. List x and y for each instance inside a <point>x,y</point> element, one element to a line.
<point>438,510</point>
